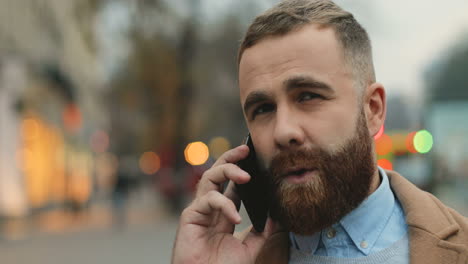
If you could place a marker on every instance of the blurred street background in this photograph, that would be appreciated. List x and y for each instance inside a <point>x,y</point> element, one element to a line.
<point>111,110</point>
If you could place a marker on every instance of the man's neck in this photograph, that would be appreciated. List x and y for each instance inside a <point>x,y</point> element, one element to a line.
<point>375,182</point>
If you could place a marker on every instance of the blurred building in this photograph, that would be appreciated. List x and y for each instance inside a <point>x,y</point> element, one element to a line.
<point>50,86</point>
<point>12,81</point>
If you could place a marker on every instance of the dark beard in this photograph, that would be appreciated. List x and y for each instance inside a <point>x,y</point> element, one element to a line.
<point>343,182</point>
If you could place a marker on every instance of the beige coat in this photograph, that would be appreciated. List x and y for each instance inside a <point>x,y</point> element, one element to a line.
<point>437,234</point>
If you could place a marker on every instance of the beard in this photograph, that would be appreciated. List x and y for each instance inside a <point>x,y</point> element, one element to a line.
<point>341,184</point>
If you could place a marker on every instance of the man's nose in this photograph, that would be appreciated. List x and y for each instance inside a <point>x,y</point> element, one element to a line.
<point>288,130</point>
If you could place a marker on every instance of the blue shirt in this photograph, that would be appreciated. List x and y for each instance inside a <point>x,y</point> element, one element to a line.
<point>376,224</point>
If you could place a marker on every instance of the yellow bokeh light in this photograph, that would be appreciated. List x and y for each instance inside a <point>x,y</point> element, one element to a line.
<point>218,146</point>
<point>79,183</point>
<point>42,160</point>
<point>149,163</point>
<point>196,153</point>
<point>30,129</point>
<point>399,143</point>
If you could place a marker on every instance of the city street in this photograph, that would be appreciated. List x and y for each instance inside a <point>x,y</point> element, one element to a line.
<point>138,244</point>
<point>94,237</point>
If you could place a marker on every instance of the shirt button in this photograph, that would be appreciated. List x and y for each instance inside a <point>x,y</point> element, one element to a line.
<point>331,233</point>
<point>364,244</point>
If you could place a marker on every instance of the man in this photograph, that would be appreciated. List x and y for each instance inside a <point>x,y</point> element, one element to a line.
<point>312,106</point>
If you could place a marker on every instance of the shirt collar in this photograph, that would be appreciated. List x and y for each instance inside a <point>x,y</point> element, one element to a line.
<point>365,223</point>
<point>368,220</point>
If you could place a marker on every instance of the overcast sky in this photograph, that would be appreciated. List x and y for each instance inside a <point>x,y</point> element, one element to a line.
<point>407,35</point>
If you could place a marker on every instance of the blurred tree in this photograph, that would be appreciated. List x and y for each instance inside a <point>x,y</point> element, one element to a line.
<point>217,96</point>
<point>447,84</point>
<point>446,77</point>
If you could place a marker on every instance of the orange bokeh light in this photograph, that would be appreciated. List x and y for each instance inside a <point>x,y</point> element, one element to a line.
<point>150,163</point>
<point>196,153</point>
<point>385,164</point>
<point>72,118</point>
<point>383,144</point>
<point>410,142</point>
<point>30,129</point>
<point>41,159</point>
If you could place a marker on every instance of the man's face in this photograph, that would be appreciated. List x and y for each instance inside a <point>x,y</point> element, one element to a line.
<point>306,123</point>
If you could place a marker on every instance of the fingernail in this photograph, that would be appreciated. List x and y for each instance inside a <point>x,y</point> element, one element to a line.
<point>238,218</point>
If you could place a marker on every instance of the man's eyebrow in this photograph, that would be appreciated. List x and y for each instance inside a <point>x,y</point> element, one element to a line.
<point>305,81</point>
<point>254,98</point>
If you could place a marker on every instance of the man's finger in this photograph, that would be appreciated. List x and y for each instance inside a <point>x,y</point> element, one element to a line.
<point>233,155</point>
<point>213,178</point>
<point>215,201</point>
<point>231,193</point>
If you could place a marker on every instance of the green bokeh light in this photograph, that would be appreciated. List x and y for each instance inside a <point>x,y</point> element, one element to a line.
<point>423,141</point>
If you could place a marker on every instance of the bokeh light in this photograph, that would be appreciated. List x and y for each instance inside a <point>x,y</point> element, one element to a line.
<point>399,143</point>
<point>196,153</point>
<point>40,159</point>
<point>149,163</point>
<point>385,164</point>
<point>423,141</point>
<point>30,129</point>
<point>383,145</point>
<point>106,169</point>
<point>99,141</point>
<point>410,142</point>
<point>72,118</point>
<point>218,146</point>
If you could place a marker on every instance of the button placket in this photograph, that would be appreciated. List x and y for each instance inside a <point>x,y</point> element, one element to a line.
<point>364,244</point>
<point>331,233</point>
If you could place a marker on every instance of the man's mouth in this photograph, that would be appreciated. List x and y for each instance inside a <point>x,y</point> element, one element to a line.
<point>300,175</point>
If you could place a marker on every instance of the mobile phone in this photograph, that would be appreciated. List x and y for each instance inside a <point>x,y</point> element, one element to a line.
<point>254,194</point>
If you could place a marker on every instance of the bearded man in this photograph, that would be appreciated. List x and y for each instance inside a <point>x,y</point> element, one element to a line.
<point>312,106</point>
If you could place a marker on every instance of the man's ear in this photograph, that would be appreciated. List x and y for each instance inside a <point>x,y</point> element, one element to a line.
<point>375,106</point>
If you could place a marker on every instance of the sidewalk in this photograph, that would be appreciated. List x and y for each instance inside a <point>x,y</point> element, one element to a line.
<point>92,237</point>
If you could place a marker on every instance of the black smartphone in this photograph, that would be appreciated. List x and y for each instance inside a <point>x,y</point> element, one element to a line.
<point>254,194</point>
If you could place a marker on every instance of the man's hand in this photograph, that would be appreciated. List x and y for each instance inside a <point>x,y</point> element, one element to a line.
<point>205,233</point>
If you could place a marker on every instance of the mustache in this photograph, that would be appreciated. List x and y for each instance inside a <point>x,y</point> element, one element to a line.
<point>297,159</point>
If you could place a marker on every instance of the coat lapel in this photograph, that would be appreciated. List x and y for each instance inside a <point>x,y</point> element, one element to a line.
<point>430,224</point>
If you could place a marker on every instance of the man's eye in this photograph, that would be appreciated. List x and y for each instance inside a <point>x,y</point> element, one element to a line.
<point>306,96</point>
<point>264,108</point>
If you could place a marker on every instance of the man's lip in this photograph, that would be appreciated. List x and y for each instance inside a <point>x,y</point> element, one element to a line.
<point>300,176</point>
<point>294,170</point>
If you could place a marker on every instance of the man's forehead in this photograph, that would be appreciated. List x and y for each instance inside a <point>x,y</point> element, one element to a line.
<point>312,33</point>
<point>311,47</point>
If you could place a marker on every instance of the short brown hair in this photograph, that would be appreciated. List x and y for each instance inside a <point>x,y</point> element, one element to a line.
<point>289,15</point>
